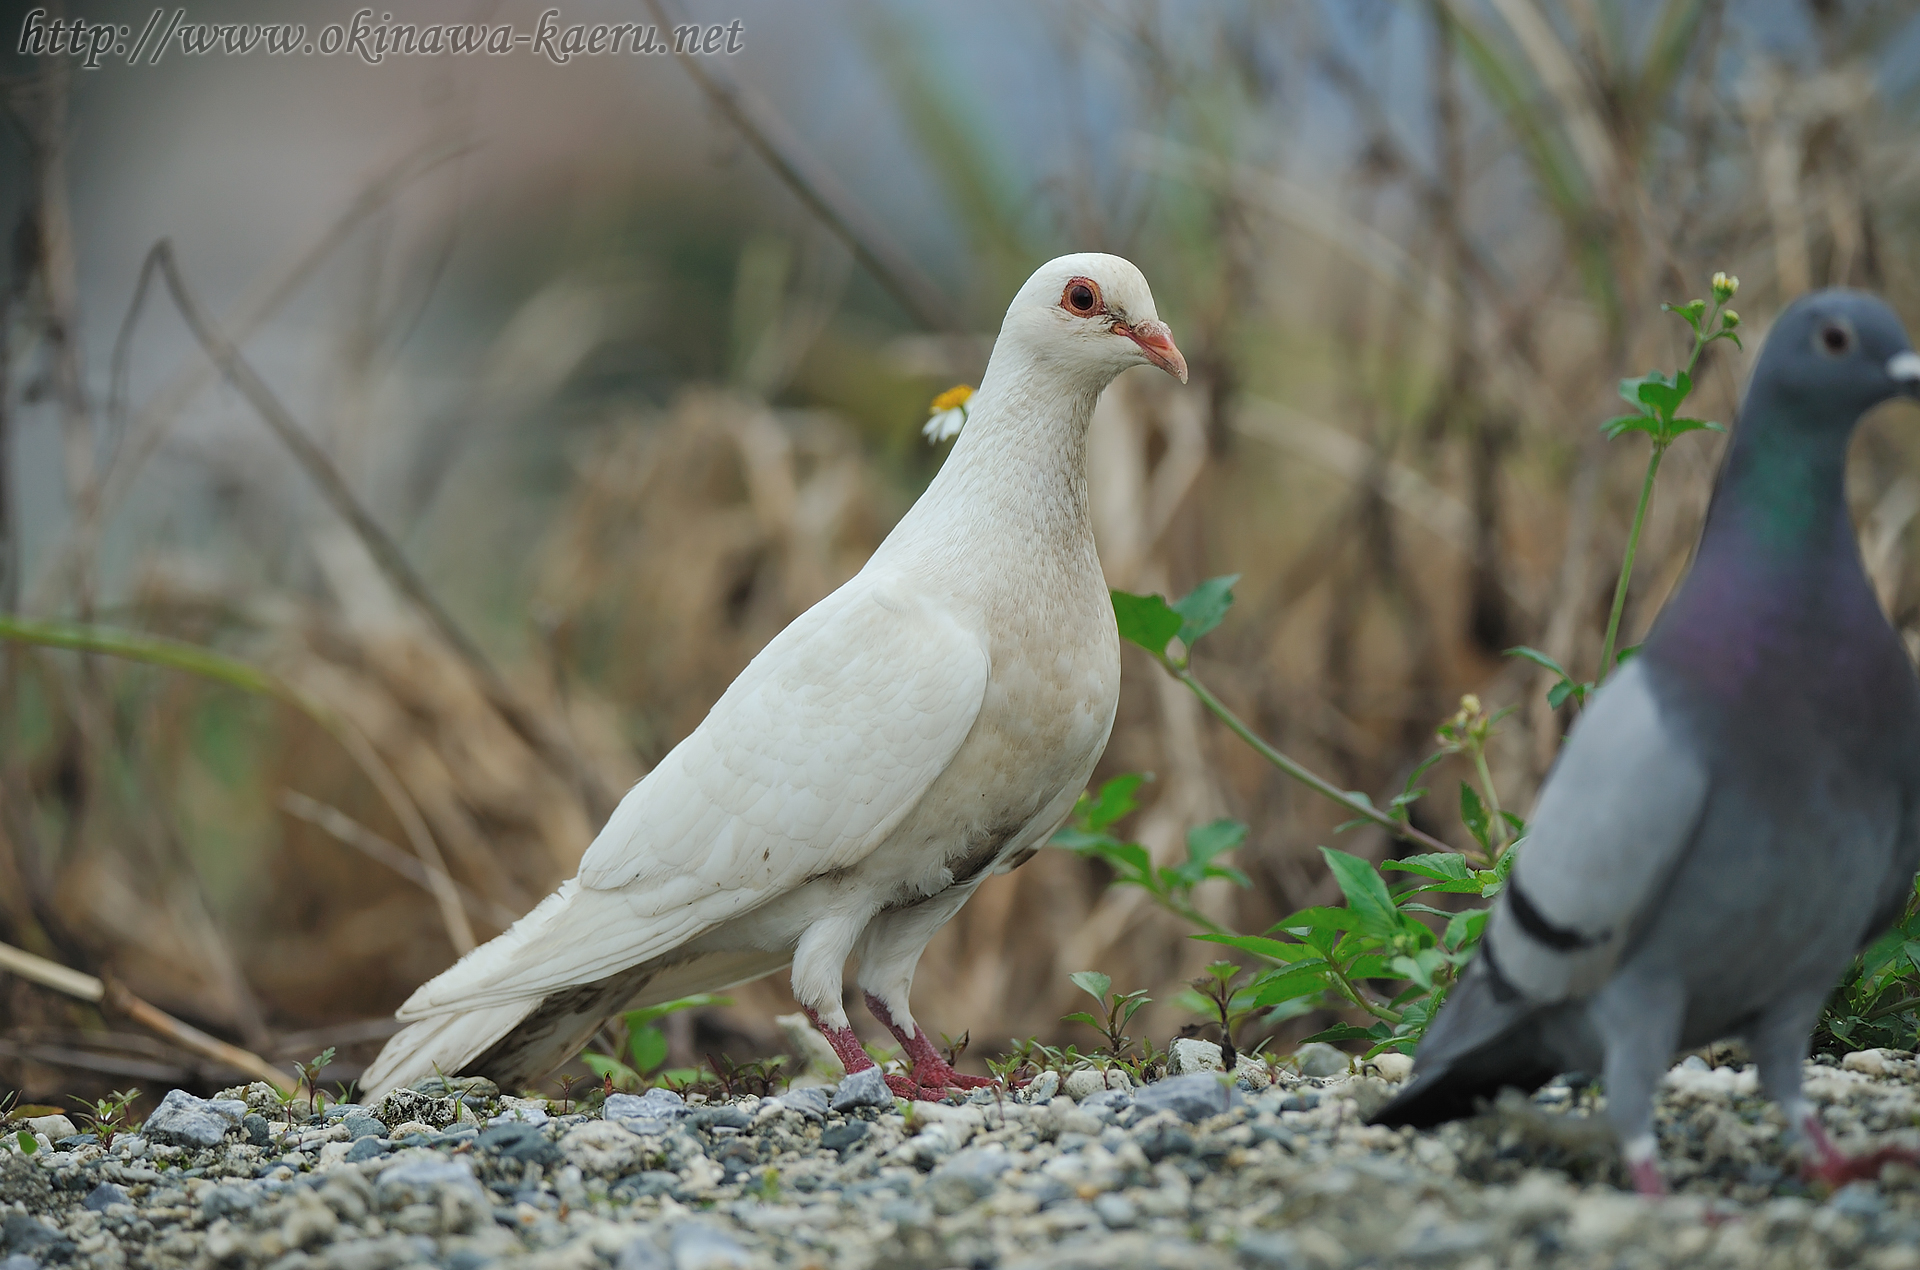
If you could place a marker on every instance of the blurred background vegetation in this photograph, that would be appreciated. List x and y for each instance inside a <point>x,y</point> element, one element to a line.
<point>627,405</point>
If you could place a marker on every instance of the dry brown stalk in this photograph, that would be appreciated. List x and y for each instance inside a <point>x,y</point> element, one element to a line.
<point>115,996</point>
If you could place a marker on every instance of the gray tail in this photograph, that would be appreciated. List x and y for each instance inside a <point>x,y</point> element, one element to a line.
<point>1485,1038</point>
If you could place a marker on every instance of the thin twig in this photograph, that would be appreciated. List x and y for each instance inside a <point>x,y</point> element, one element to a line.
<point>547,741</point>
<point>1358,806</point>
<point>345,829</point>
<point>116,996</point>
<point>819,192</point>
<point>149,428</point>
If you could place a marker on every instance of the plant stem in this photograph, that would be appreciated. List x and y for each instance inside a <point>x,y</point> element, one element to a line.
<point>1398,828</point>
<point>1626,565</point>
<point>1495,821</point>
<point>1361,999</point>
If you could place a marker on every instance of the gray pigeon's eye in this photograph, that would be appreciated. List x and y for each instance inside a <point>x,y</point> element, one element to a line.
<point>1834,338</point>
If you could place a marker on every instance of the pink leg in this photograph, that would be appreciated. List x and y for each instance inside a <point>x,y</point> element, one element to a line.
<point>932,1072</point>
<point>1647,1179</point>
<point>854,1057</point>
<point>1828,1163</point>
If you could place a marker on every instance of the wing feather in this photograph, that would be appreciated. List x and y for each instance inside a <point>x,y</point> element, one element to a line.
<point>1612,822</point>
<point>818,750</point>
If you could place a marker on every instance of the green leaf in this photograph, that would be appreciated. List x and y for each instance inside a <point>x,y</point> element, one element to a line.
<point>1618,426</point>
<point>1204,607</point>
<point>1538,658</point>
<point>648,1045</point>
<point>1366,893</point>
<point>1209,840</point>
<point>1093,983</point>
<point>1146,620</point>
<point>1115,801</point>
<point>647,1014</point>
<point>1081,1016</point>
<point>1473,814</point>
<point>1463,929</point>
<point>1661,395</point>
<point>1441,866</point>
<point>1318,918</point>
<point>28,1143</point>
<point>1690,312</point>
<point>1258,945</point>
<point>1079,840</point>
<point>605,1065</point>
<point>1620,658</point>
<point>1348,1032</point>
<point>1290,984</point>
<point>1681,426</point>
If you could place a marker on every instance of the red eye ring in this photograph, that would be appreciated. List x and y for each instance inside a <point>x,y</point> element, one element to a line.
<point>1081,297</point>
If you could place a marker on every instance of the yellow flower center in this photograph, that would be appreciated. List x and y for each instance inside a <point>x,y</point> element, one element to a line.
<point>952,397</point>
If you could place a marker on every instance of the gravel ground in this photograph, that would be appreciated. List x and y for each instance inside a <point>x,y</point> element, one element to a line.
<point>1188,1173</point>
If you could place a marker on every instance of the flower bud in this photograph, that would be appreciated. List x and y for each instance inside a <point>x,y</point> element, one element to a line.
<point>1729,319</point>
<point>1724,285</point>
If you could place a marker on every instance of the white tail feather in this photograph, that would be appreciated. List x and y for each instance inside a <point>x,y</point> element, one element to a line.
<point>443,1044</point>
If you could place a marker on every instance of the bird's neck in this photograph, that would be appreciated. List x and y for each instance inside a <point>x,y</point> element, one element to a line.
<point>1014,489</point>
<point>1778,574</point>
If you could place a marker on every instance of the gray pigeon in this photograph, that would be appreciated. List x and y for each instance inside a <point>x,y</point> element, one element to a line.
<point>1737,812</point>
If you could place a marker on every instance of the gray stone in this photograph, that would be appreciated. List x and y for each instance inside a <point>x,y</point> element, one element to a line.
<point>402,1105</point>
<point>1271,1250</point>
<point>365,1149</point>
<point>1189,1055</point>
<point>420,1181</point>
<point>864,1088</point>
<point>839,1137</point>
<point>697,1246</point>
<point>229,1201</point>
<point>967,1176</point>
<point>1042,1088</point>
<point>457,1087</point>
<point>642,1254</point>
<point>661,1106</point>
<point>812,1102</point>
<point>259,1132</point>
<point>1192,1098</point>
<point>642,1185</point>
<point>1117,1211</point>
<point>721,1117</point>
<point>364,1126</point>
<point>1107,1105</point>
<point>183,1120</point>
<point>20,1234</point>
<point>19,1261</point>
<point>103,1195</point>
<point>1860,1200</point>
<point>1321,1059</point>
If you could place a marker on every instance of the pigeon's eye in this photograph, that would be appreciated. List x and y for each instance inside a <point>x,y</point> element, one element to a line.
<point>1834,338</point>
<point>1082,297</point>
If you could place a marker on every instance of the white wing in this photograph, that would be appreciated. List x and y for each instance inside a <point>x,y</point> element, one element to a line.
<point>821,746</point>
<point>1618,809</point>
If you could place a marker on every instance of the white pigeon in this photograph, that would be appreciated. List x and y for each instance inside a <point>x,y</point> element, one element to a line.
<point>929,723</point>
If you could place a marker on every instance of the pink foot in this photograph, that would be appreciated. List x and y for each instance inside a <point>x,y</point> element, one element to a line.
<point>846,1046</point>
<point>1646,1178</point>
<point>1828,1163</point>
<point>932,1073</point>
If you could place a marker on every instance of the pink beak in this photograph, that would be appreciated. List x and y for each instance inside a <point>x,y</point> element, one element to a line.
<point>1156,341</point>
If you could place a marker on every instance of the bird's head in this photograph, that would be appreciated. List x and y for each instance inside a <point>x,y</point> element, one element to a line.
<point>1092,314</point>
<point>1843,352</point>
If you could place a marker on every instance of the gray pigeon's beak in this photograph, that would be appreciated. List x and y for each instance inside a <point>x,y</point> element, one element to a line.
<point>1905,369</point>
<point>1156,341</point>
